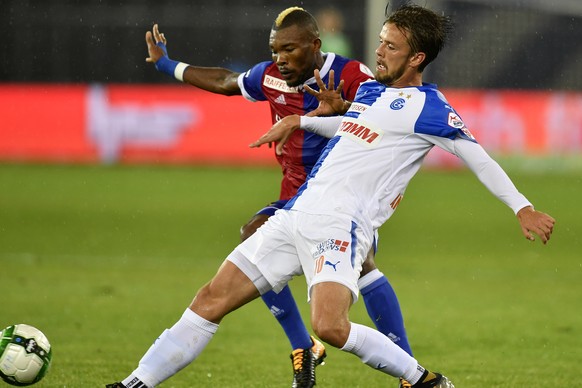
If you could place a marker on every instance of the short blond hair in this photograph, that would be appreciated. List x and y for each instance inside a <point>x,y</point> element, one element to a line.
<point>297,16</point>
<point>284,14</point>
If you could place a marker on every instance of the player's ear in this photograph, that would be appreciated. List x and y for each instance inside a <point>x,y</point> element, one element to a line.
<point>317,44</point>
<point>417,59</point>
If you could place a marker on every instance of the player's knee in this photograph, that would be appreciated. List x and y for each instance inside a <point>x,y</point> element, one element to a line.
<point>334,332</point>
<point>208,305</point>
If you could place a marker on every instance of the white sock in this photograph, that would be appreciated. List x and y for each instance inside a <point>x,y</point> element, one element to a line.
<point>174,349</point>
<point>379,352</point>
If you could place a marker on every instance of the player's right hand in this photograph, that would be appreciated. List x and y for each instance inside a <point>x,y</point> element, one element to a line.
<point>279,132</point>
<point>533,221</point>
<point>155,50</point>
<point>330,98</point>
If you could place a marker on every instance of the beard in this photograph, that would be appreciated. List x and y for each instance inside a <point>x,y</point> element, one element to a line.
<point>389,78</point>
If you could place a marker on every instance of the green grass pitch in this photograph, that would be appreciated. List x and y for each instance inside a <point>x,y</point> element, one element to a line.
<point>103,259</point>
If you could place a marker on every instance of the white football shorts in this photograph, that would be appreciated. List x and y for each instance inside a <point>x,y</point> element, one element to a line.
<point>324,248</point>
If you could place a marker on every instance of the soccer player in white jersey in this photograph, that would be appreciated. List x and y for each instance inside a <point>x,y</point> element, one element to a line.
<point>393,122</point>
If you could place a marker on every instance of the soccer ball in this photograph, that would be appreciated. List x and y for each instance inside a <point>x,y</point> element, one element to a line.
<point>25,355</point>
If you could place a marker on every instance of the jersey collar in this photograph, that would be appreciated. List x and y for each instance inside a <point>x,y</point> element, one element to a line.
<point>329,58</point>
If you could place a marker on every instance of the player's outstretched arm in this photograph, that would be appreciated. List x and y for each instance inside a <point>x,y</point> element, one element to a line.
<point>498,182</point>
<point>282,130</point>
<point>533,221</point>
<point>330,98</point>
<point>279,133</point>
<point>213,79</point>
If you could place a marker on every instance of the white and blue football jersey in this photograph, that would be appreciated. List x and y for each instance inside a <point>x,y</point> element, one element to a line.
<point>380,145</point>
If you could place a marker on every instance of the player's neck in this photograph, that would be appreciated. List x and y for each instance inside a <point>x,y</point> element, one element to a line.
<point>408,81</point>
<point>319,60</point>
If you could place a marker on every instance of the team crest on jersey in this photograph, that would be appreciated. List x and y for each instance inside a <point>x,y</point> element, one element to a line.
<point>330,245</point>
<point>278,84</point>
<point>361,132</point>
<point>456,122</point>
<point>397,104</point>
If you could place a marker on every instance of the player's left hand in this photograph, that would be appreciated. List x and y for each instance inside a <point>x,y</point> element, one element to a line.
<point>329,97</point>
<point>279,132</point>
<point>533,221</point>
<point>156,43</point>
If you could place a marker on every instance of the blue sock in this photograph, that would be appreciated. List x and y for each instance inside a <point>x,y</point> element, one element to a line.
<point>383,308</point>
<point>284,308</point>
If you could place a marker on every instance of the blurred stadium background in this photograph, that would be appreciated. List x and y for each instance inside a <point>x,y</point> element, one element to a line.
<point>512,69</point>
<point>498,43</point>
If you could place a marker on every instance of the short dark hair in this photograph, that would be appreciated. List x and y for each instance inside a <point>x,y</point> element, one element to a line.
<point>428,31</point>
<point>296,16</point>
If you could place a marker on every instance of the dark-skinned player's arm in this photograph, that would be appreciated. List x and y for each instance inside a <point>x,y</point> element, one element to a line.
<point>213,79</point>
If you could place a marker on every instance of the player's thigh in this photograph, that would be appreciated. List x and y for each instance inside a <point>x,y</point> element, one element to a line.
<point>330,305</point>
<point>270,253</point>
<point>228,290</point>
<point>331,250</point>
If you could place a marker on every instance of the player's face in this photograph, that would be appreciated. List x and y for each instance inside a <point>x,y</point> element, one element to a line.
<point>295,53</point>
<point>392,55</point>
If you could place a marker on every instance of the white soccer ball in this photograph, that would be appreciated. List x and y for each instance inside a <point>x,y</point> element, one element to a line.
<point>25,355</point>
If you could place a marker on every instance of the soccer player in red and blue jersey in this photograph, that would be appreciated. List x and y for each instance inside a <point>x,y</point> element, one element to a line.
<point>296,54</point>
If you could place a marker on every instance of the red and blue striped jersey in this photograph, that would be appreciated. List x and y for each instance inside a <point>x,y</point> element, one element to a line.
<point>263,82</point>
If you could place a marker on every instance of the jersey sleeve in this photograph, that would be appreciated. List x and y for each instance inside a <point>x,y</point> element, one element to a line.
<point>322,126</point>
<point>353,74</point>
<point>487,170</point>
<point>250,82</point>
<point>438,118</point>
<point>490,174</point>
